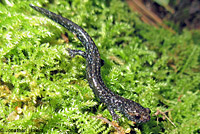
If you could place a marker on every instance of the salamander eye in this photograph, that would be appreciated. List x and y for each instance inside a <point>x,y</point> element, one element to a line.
<point>137,116</point>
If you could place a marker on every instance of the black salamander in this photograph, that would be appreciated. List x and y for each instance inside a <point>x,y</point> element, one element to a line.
<point>132,110</point>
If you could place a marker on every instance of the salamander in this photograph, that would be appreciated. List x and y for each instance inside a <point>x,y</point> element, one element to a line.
<point>132,110</point>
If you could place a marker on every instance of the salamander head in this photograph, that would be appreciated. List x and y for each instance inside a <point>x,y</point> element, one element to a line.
<point>135,112</point>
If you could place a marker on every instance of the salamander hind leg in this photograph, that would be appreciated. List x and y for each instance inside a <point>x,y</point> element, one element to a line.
<point>73,53</point>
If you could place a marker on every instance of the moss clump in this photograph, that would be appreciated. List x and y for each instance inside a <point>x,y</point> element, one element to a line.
<point>43,89</point>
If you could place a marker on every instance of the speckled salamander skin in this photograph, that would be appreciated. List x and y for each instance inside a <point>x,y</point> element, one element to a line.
<point>132,110</point>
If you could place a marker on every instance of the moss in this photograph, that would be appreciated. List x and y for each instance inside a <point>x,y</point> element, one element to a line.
<point>43,89</point>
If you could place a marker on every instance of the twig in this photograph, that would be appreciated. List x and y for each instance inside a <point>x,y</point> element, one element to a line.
<point>148,16</point>
<point>114,124</point>
<point>163,113</point>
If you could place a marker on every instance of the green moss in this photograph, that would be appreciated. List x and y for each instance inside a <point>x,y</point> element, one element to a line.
<point>152,66</point>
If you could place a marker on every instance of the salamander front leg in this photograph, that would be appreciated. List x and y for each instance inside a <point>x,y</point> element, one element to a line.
<point>73,53</point>
<point>115,117</point>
